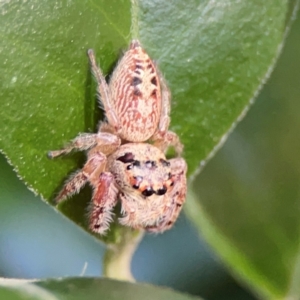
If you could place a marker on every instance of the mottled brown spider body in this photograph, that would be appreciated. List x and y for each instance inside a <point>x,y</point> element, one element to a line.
<point>120,163</point>
<point>135,94</point>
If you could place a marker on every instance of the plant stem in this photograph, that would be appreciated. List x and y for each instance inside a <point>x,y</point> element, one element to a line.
<point>118,256</point>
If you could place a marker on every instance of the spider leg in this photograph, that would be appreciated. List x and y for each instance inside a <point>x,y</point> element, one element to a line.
<point>176,195</point>
<point>170,138</point>
<point>107,141</point>
<point>129,211</point>
<point>163,138</point>
<point>166,105</point>
<point>103,144</point>
<point>103,201</point>
<point>90,172</point>
<point>103,92</point>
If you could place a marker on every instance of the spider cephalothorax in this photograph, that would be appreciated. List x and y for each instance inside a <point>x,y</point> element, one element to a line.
<point>141,168</point>
<point>121,164</point>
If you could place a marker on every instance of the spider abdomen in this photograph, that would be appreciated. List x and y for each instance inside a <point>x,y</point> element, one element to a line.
<point>135,95</point>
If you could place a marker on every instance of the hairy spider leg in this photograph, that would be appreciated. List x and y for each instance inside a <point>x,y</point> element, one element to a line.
<point>108,143</point>
<point>90,172</point>
<point>103,201</point>
<point>103,93</point>
<point>164,138</point>
<point>103,144</point>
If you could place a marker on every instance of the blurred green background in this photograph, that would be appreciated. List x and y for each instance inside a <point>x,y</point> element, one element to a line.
<point>259,163</point>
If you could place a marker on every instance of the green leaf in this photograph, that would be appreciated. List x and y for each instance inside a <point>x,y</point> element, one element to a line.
<point>14,289</point>
<point>214,55</point>
<point>246,201</point>
<point>88,289</point>
<point>45,87</point>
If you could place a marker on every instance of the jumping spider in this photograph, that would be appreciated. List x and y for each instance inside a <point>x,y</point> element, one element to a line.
<point>120,163</point>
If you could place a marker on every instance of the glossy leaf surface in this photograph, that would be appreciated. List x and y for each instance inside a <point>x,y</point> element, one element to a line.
<point>86,288</point>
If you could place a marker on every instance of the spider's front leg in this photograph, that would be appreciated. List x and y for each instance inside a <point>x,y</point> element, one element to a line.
<point>104,93</point>
<point>104,194</point>
<point>106,141</point>
<point>163,138</point>
<point>175,198</point>
<point>90,171</point>
<point>102,144</point>
<point>103,201</point>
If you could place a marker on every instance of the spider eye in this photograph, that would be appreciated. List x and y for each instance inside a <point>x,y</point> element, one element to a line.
<point>136,163</point>
<point>126,158</point>
<point>161,191</point>
<point>150,164</point>
<point>148,192</point>
<point>165,163</point>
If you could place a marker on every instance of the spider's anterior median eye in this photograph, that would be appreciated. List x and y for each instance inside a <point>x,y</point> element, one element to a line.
<point>129,167</point>
<point>148,191</point>
<point>161,191</point>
